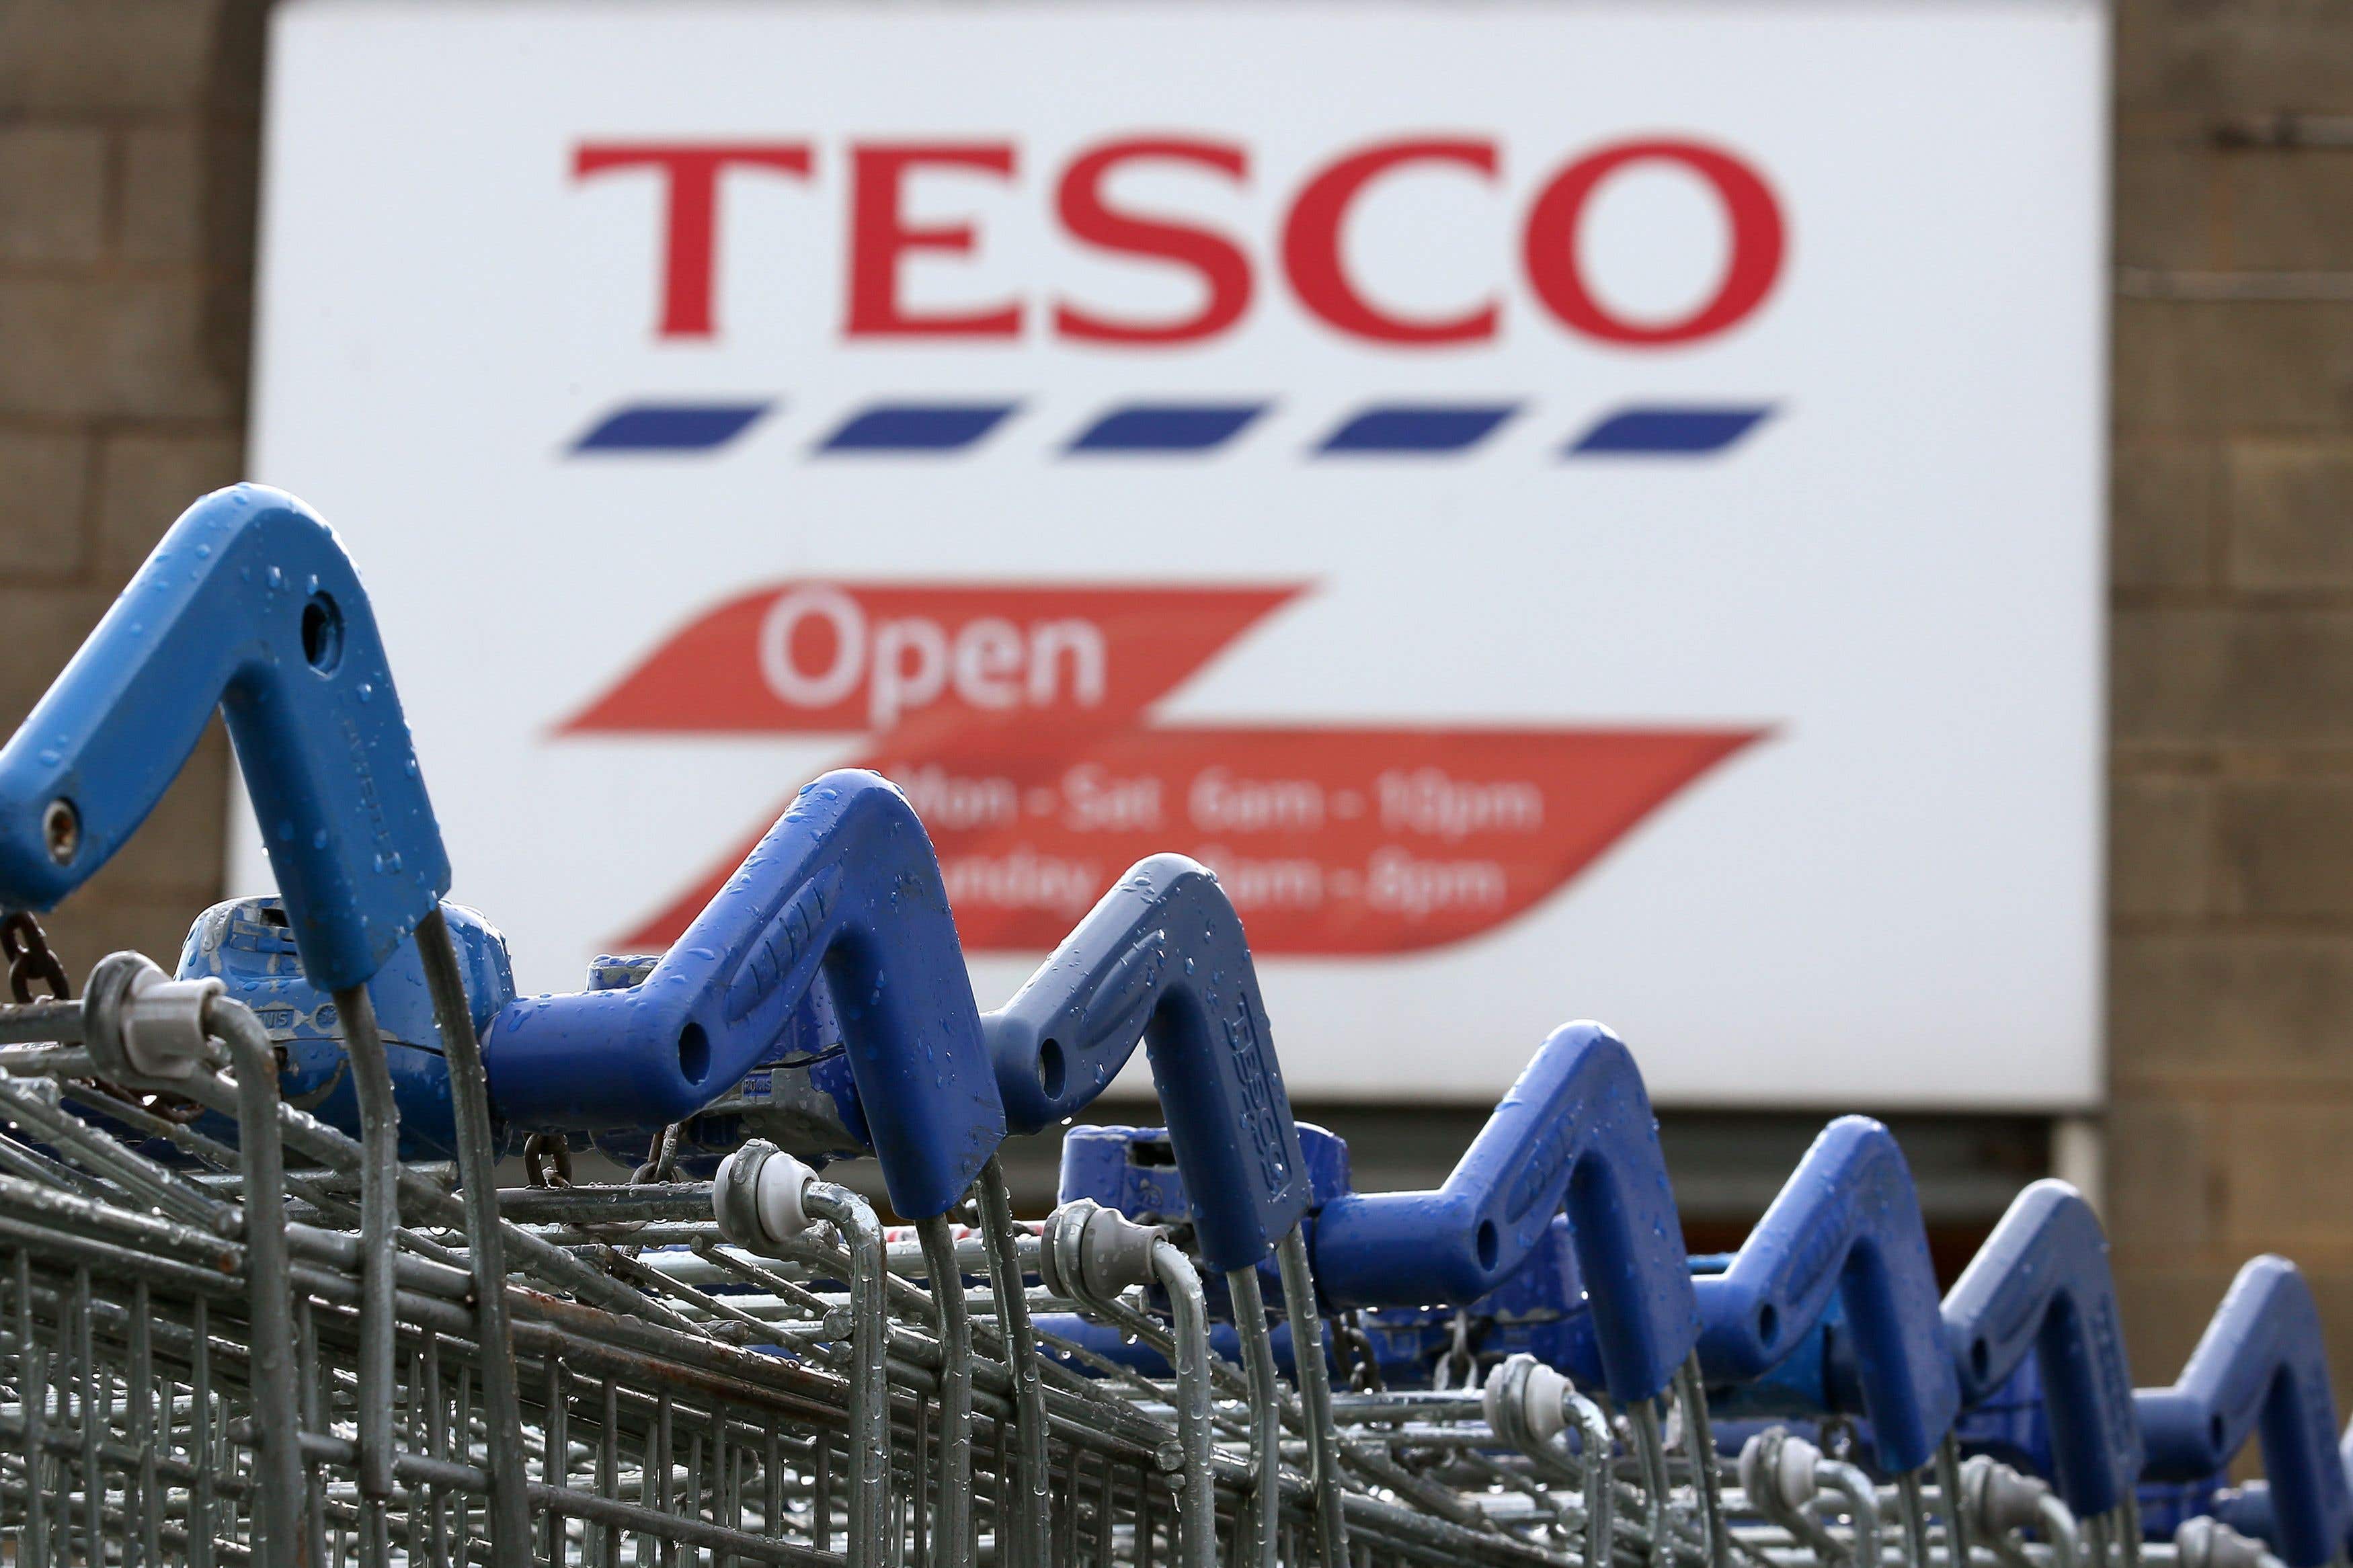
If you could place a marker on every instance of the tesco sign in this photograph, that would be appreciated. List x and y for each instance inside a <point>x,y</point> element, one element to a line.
<point>1572,508</point>
<point>695,176</point>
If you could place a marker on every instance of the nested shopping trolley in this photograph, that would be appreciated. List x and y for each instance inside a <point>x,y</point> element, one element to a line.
<point>263,1300</point>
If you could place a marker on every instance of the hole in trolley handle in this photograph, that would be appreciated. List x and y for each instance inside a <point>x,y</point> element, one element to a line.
<point>693,1053</point>
<point>323,634</point>
<point>62,830</point>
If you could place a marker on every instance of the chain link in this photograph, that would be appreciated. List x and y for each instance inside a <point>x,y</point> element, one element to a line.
<point>663,1166</point>
<point>26,949</point>
<point>1356,1349</point>
<point>31,961</point>
<point>547,1159</point>
<point>1458,1367</point>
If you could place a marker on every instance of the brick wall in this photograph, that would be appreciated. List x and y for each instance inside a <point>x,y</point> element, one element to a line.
<point>127,138</point>
<point>127,175</point>
<point>2230,994</point>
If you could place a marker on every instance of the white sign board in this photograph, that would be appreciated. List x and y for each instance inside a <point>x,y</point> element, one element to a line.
<point>1573,509</point>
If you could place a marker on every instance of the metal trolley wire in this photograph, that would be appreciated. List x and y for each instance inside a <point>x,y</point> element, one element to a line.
<point>186,1385</point>
<point>263,1299</point>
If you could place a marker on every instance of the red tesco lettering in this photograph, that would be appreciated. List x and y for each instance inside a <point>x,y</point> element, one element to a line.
<point>1311,245</point>
<point>1312,259</point>
<point>1224,270</point>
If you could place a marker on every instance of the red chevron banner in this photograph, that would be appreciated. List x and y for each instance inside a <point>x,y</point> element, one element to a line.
<point>1019,721</point>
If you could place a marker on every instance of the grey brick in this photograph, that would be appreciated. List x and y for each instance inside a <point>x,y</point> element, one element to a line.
<point>2247,55</point>
<point>2289,210</point>
<point>2200,677</point>
<point>2290,509</point>
<point>2160,841</point>
<point>44,474</point>
<point>146,480</point>
<point>2201,1010</point>
<point>2166,213</point>
<point>106,55</point>
<point>2291,1179</point>
<point>110,346</point>
<point>52,193</point>
<point>2285,848</point>
<point>2161,1195</point>
<point>2210,365</point>
<point>2164,499</point>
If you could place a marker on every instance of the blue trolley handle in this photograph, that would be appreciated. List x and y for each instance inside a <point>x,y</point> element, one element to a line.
<point>1847,1222</point>
<point>2261,1364</point>
<point>1163,958</point>
<point>846,883</point>
<point>2249,1509</point>
<point>2041,1285</point>
<point>248,604</point>
<point>1576,1133</point>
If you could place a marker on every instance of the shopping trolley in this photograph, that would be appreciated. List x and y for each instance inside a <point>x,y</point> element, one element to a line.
<point>2045,1456</point>
<point>283,1342</point>
<point>263,1299</point>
